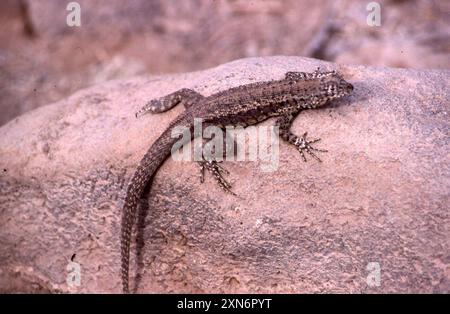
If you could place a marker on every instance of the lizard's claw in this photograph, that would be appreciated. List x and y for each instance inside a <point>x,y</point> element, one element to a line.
<point>303,145</point>
<point>217,171</point>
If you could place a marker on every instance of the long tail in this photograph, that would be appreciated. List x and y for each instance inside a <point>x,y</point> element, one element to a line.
<point>154,157</point>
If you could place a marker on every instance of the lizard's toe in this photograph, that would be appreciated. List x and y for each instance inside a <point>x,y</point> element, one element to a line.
<point>303,145</point>
<point>217,171</point>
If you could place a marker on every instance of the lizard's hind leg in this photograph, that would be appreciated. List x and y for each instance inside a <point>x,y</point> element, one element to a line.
<point>209,162</point>
<point>185,96</point>
<point>217,171</point>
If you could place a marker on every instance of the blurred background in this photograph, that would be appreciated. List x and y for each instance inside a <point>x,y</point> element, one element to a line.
<point>42,59</point>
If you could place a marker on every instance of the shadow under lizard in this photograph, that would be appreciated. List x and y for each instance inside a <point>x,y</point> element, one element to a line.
<point>244,105</point>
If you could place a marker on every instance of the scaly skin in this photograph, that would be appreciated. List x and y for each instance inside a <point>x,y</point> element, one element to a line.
<point>240,106</point>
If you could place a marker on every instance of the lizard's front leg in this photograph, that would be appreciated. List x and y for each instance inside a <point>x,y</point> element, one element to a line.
<point>185,96</point>
<point>303,145</point>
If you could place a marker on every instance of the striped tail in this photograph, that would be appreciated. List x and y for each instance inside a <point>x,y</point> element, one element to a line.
<point>149,164</point>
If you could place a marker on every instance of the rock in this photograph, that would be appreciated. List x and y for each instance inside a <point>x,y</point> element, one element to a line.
<point>377,204</point>
<point>411,34</point>
<point>43,59</point>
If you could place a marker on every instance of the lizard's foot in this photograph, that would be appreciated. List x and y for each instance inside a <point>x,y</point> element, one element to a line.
<point>303,145</point>
<point>217,171</point>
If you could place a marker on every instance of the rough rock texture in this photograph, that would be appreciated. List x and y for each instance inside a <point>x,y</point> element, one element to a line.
<point>381,194</point>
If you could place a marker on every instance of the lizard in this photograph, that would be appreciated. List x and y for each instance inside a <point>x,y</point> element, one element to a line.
<point>244,105</point>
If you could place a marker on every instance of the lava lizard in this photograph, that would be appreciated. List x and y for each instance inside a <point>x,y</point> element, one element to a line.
<point>244,105</point>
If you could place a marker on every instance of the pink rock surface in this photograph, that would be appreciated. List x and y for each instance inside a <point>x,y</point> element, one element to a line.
<point>380,196</point>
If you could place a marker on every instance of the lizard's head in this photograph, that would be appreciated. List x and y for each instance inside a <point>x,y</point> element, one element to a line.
<point>334,86</point>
